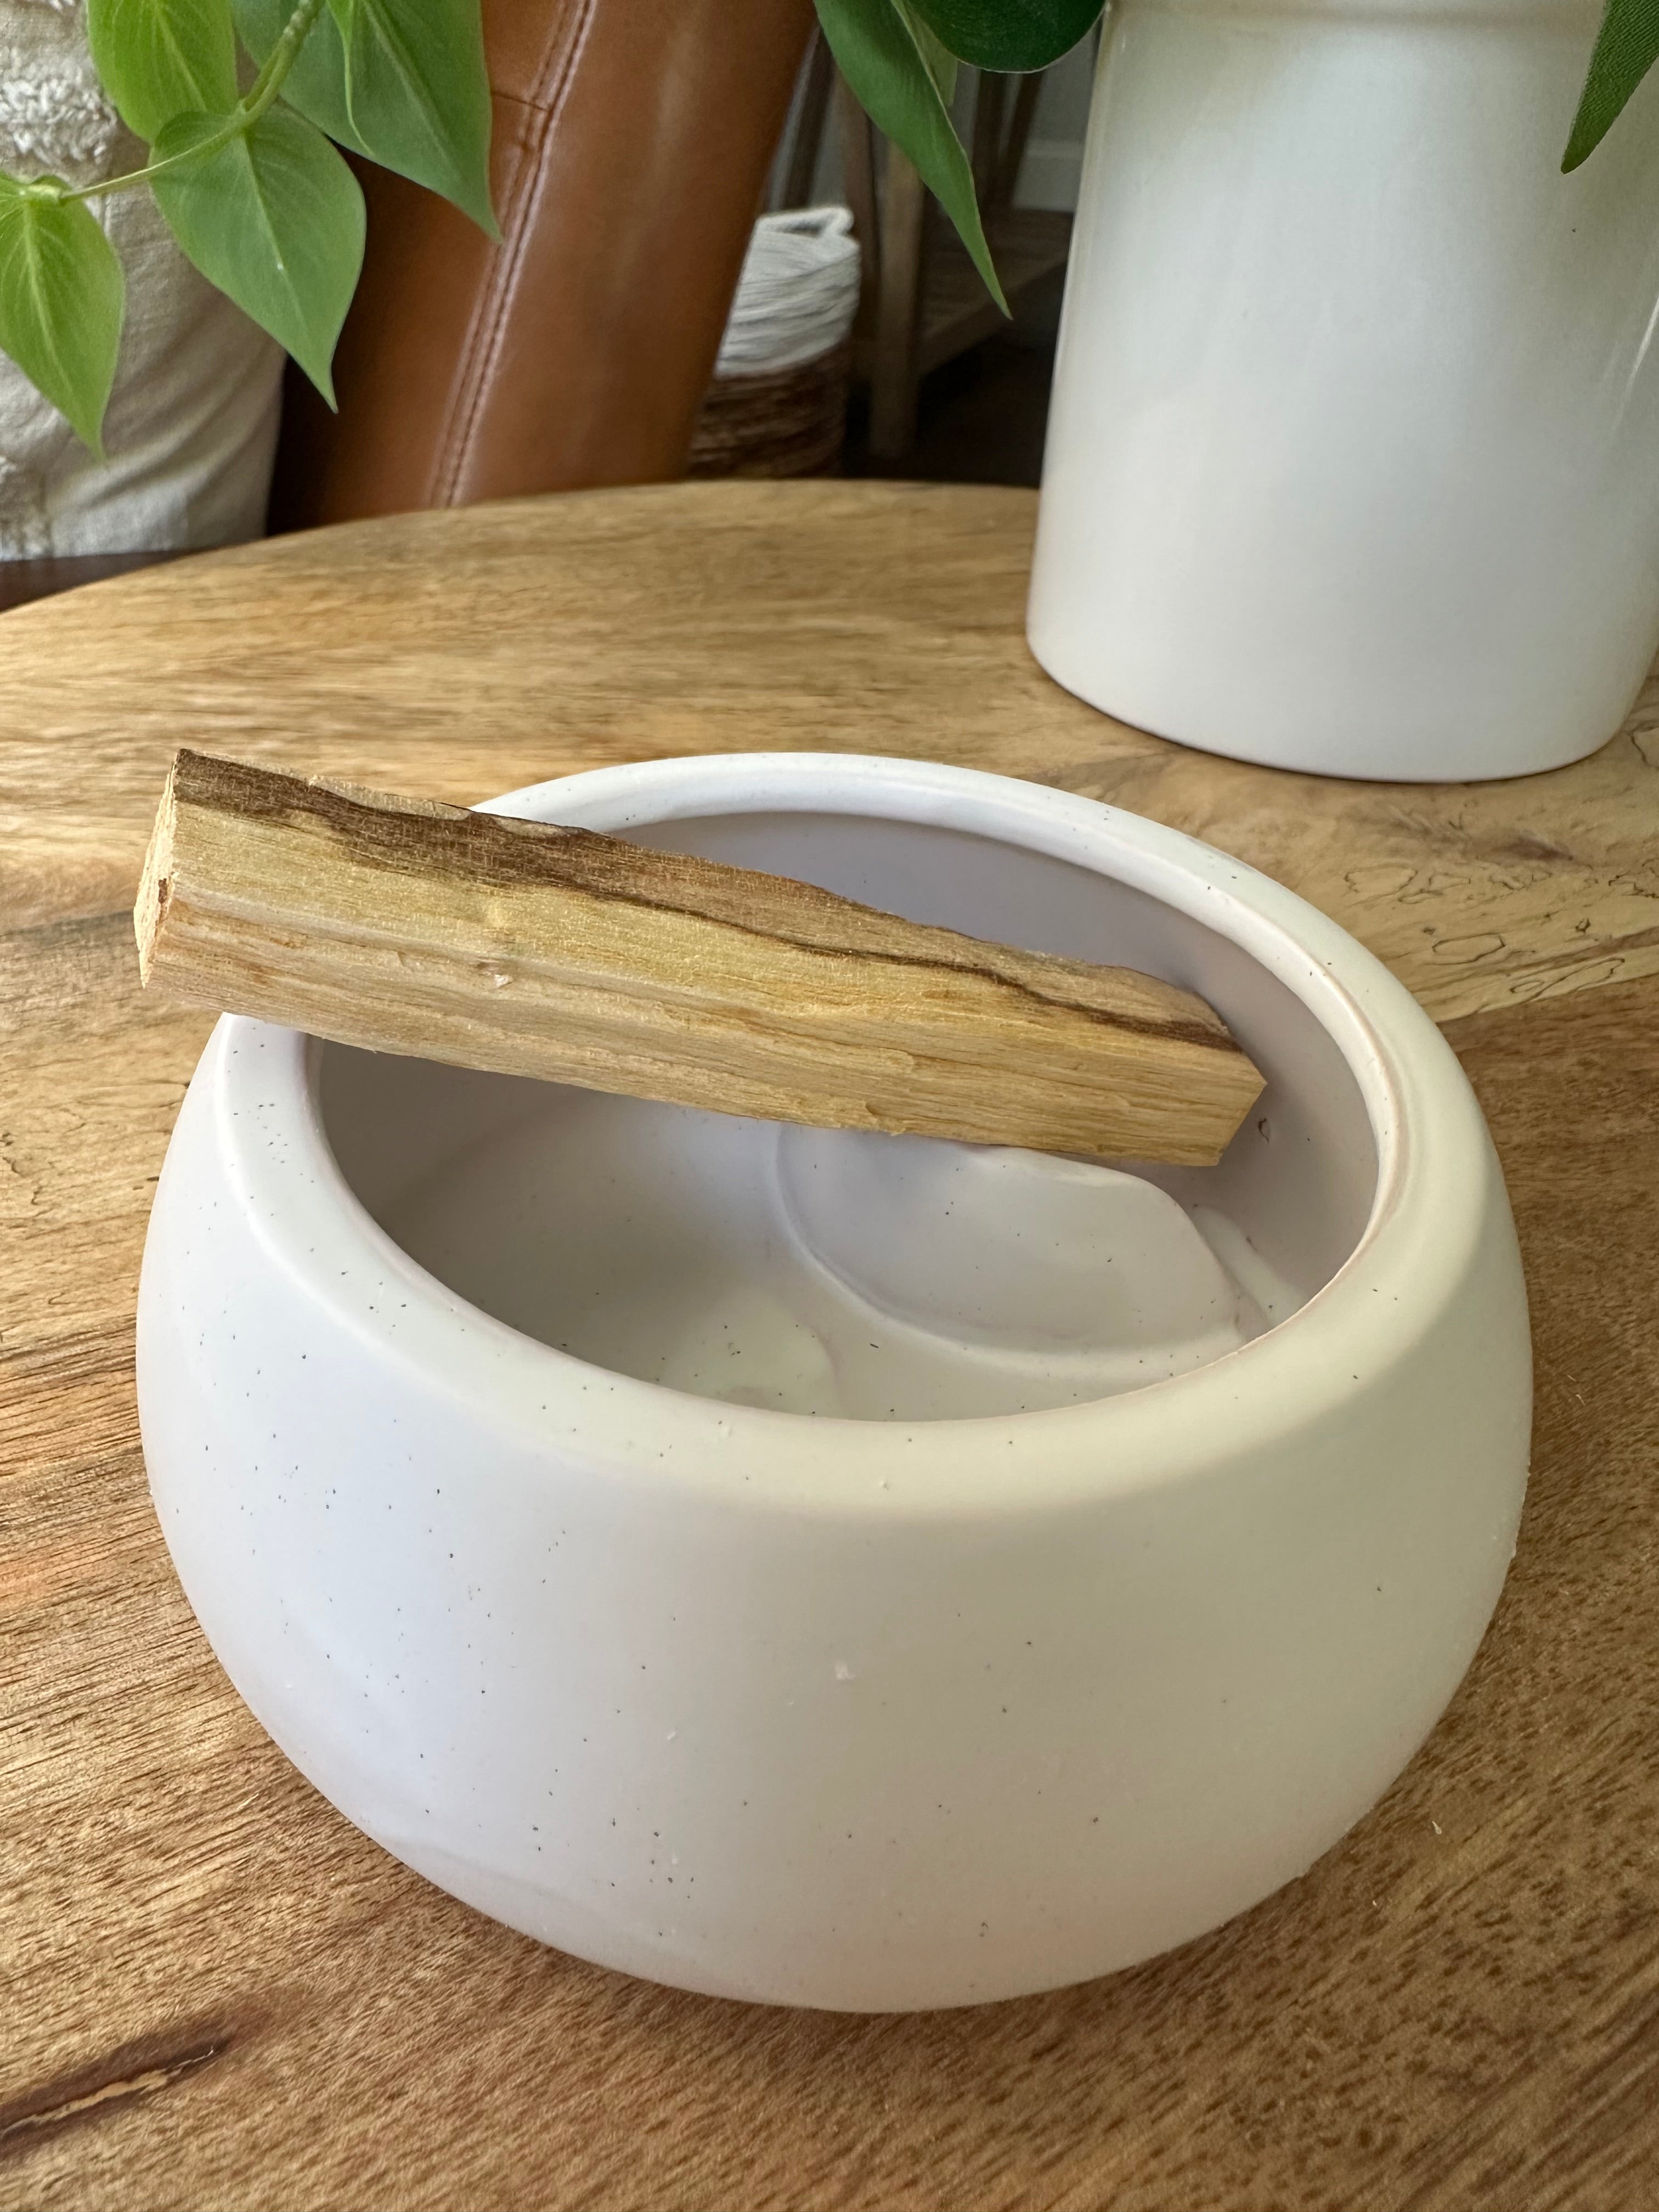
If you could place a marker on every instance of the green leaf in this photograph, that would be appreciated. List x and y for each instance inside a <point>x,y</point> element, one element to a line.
<point>1016,35</point>
<point>60,301</point>
<point>316,84</point>
<point>413,96</point>
<point>940,61</point>
<point>158,58</point>
<point>275,218</point>
<point>418,94</point>
<point>888,60</point>
<point>1625,49</point>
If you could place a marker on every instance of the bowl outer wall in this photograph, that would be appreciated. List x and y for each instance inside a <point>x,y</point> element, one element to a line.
<point>827,1712</point>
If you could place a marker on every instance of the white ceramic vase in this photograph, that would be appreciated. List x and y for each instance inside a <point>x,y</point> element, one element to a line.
<point>1354,459</point>
<point>859,1712</point>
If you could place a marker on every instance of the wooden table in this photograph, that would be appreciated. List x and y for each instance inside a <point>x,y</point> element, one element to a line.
<point>214,1993</point>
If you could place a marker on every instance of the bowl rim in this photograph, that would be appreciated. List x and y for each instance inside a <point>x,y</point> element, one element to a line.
<point>1436,1177</point>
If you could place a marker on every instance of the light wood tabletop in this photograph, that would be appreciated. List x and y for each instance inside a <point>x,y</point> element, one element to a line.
<point>215,1993</point>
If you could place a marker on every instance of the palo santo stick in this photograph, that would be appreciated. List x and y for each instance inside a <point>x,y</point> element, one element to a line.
<point>408,927</point>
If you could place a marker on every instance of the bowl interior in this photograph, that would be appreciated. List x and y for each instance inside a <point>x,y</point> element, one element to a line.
<point>646,1238</point>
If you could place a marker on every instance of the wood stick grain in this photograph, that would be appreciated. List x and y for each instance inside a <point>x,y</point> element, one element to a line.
<point>410,926</point>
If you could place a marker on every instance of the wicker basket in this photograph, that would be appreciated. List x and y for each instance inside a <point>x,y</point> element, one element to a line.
<point>789,422</point>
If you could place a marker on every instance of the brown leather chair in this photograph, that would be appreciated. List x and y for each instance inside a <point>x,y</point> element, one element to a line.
<point>632,141</point>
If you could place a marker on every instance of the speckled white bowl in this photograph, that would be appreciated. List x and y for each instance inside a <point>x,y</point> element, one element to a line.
<point>859,1714</point>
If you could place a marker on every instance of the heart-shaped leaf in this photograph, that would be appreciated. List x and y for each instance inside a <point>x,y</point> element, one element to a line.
<point>158,58</point>
<point>1627,48</point>
<point>1008,34</point>
<point>890,60</point>
<point>315,84</point>
<point>273,216</point>
<point>61,299</point>
<point>418,94</point>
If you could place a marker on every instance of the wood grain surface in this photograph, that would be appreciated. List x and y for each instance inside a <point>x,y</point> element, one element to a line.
<point>406,926</point>
<point>455,656</point>
<point>215,1993</point>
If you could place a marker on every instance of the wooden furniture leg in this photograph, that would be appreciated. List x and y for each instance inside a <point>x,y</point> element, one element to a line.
<point>858,162</point>
<point>893,376</point>
<point>1012,153</point>
<point>812,109</point>
<point>900,348</point>
<point>990,102</point>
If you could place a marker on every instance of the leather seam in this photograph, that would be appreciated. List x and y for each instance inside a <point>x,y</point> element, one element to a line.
<point>487,325</point>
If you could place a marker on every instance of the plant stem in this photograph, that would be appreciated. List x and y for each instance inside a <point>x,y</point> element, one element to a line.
<point>241,120</point>
<point>280,60</point>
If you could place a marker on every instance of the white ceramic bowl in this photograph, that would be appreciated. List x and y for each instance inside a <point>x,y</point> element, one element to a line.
<point>864,1714</point>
